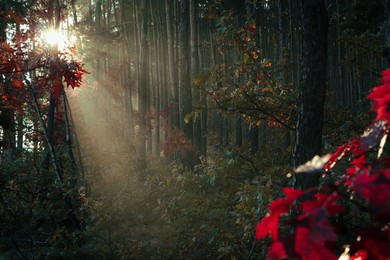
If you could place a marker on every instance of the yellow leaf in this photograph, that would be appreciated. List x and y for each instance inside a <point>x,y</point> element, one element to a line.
<point>201,78</point>
<point>246,57</point>
<point>188,117</point>
<point>197,82</point>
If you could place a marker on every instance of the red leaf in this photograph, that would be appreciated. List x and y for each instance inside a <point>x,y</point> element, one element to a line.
<point>341,152</point>
<point>329,202</point>
<point>386,76</point>
<point>277,251</point>
<point>321,231</point>
<point>375,189</point>
<point>268,226</point>
<point>18,83</point>
<point>310,250</point>
<point>281,206</point>
<point>359,161</point>
<point>374,242</point>
<point>381,97</point>
<point>359,255</point>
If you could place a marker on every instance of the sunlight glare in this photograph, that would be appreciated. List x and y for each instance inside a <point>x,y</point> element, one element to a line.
<point>57,38</point>
<point>51,36</point>
<point>345,255</point>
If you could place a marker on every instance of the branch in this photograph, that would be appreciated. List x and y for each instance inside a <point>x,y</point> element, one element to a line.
<point>58,170</point>
<point>68,136</point>
<point>18,248</point>
<point>260,110</point>
<point>16,71</point>
<point>77,144</point>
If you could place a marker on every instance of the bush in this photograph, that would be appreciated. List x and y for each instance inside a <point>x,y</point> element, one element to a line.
<point>351,208</point>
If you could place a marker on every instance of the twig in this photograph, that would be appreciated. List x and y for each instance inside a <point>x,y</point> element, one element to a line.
<point>17,248</point>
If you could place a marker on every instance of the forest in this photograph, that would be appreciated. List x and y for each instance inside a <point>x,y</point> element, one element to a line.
<point>194,129</point>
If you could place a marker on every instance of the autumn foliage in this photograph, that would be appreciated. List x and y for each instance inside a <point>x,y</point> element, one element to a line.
<point>27,61</point>
<point>314,214</point>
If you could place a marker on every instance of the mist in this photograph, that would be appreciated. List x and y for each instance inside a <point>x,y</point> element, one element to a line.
<point>183,129</point>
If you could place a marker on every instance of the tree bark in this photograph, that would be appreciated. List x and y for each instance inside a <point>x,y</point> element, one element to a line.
<point>386,4</point>
<point>197,132</point>
<point>254,138</point>
<point>239,131</point>
<point>312,89</point>
<point>143,87</point>
<point>185,93</point>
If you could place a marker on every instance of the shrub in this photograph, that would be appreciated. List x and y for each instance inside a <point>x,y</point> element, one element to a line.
<point>317,216</point>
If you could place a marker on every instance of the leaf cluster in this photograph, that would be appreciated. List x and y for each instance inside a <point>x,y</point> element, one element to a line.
<point>318,214</point>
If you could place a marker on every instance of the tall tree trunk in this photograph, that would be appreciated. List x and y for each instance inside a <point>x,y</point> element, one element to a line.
<point>54,22</point>
<point>239,131</point>
<point>312,89</point>
<point>172,84</point>
<point>151,75</point>
<point>173,95</point>
<point>155,78</point>
<point>69,142</point>
<point>197,132</point>
<point>185,95</point>
<point>283,54</point>
<point>387,31</point>
<point>20,133</point>
<point>254,138</point>
<point>74,11</point>
<point>143,87</point>
<point>203,94</point>
<point>127,79</point>
<point>50,131</point>
<point>56,164</point>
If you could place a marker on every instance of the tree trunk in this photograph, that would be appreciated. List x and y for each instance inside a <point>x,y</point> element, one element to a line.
<point>312,89</point>
<point>143,88</point>
<point>387,31</point>
<point>254,138</point>
<point>239,131</point>
<point>185,95</point>
<point>197,132</point>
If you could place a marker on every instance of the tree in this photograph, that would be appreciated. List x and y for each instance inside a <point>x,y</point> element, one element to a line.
<point>193,20</point>
<point>143,84</point>
<point>7,114</point>
<point>185,91</point>
<point>172,83</point>
<point>312,89</point>
<point>386,4</point>
<point>37,76</point>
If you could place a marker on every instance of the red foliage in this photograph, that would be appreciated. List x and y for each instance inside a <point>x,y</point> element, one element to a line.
<point>373,244</point>
<point>367,179</point>
<point>277,251</point>
<point>269,224</point>
<point>381,97</point>
<point>175,141</point>
<point>310,247</point>
<point>18,58</point>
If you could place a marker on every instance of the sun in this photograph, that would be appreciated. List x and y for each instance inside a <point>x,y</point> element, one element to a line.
<point>57,39</point>
<point>52,37</point>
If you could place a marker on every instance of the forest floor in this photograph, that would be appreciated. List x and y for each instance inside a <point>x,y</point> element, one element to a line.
<point>131,220</point>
